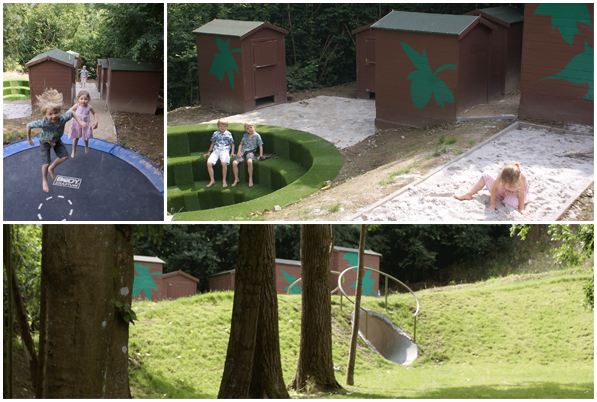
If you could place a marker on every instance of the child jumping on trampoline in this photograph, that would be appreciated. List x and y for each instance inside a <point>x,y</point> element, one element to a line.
<point>82,109</point>
<point>52,129</point>
<point>510,186</point>
<point>222,148</point>
<point>246,151</point>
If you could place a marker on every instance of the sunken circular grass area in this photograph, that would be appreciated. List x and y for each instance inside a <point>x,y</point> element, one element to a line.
<point>305,161</point>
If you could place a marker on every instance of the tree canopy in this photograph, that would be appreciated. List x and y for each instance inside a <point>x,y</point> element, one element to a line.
<point>95,31</point>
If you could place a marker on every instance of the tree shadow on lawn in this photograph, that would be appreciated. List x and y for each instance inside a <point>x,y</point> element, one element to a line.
<point>531,390</point>
<point>152,385</point>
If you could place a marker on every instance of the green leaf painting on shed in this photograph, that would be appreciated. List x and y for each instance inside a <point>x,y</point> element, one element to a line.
<point>224,61</point>
<point>425,82</point>
<point>144,281</point>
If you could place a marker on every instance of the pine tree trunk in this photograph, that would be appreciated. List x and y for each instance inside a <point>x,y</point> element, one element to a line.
<point>9,320</point>
<point>253,368</point>
<point>88,269</point>
<point>357,310</point>
<point>315,371</point>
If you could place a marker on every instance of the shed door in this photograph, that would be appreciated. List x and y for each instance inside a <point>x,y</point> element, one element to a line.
<point>265,61</point>
<point>370,49</point>
<point>176,290</point>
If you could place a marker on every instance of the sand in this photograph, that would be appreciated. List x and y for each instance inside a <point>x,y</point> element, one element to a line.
<point>555,181</point>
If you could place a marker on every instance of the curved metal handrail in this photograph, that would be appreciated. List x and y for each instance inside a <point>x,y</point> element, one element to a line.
<point>299,279</point>
<point>340,277</point>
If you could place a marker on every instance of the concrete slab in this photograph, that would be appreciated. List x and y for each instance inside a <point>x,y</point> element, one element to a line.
<point>342,121</point>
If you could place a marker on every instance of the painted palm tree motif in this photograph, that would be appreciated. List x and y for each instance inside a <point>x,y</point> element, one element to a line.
<point>224,63</point>
<point>425,82</point>
<point>565,17</point>
<point>368,280</point>
<point>144,281</point>
<point>579,70</point>
<point>295,290</point>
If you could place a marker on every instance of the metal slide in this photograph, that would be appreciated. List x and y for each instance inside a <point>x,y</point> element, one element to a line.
<point>380,334</point>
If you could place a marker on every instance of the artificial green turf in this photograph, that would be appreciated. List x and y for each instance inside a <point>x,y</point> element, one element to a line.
<point>15,90</point>
<point>517,337</point>
<point>305,162</point>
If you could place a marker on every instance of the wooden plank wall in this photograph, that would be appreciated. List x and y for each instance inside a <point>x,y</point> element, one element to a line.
<point>134,91</point>
<point>51,75</point>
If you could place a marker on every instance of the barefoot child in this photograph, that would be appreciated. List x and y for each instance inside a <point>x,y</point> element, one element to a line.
<point>82,109</point>
<point>52,129</point>
<point>247,149</point>
<point>222,148</point>
<point>84,74</point>
<point>510,186</point>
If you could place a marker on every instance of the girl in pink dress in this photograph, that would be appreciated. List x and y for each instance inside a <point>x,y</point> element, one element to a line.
<point>82,108</point>
<point>510,186</point>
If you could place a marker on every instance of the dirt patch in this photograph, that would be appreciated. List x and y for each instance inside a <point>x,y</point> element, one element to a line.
<point>391,159</point>
<point>143,133</point>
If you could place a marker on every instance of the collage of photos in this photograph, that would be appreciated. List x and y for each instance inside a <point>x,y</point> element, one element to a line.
<point>406,191</point>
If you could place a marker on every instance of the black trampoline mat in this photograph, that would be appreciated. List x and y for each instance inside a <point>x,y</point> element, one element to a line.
<point>110,189</point>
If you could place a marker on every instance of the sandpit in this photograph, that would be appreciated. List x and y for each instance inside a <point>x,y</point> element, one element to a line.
<point>556,164</point>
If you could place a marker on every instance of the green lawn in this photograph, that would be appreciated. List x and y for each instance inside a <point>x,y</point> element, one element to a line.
<point>515,337</point>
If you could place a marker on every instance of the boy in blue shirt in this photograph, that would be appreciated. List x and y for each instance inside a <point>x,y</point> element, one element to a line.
<point>222,148</point>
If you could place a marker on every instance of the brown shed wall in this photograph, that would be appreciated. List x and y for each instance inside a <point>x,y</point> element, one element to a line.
<point>261,70</point>
<point>546,53</point>
<point>104,84</point>
<point>340,264</point>
<point>473,69</point>
<point>51,75</point>
<point>133,91</point>
<point>365,63</point>
<point>291,270</point>
<point>394,106</point>
<point>175,286</point>
<point>513,57</point>
<point>222,282</point>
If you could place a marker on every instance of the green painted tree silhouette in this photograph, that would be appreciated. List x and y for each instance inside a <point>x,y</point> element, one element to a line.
<point>224,63</point>
<point>565,17</point>
<point>295,290</point>
<point>144,281</point>
<point>368,282</point>
<point>425,82</point>
<point>579,70</point>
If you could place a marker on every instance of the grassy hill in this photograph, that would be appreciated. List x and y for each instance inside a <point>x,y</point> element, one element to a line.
<point>515,337</point>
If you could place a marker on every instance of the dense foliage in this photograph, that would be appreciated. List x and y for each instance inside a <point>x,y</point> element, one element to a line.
<point>320,48</point>
<point>94,31</point>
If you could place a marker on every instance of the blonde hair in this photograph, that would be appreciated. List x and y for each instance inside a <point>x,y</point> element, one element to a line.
<point>51,99</point>
<point>249,123</point>
<point>223,120</point>
<point>511,173</point>
<point>84,93</point>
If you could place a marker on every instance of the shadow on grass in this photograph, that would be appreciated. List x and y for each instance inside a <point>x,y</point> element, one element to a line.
<point>145,385</point>
<point>531,390</point>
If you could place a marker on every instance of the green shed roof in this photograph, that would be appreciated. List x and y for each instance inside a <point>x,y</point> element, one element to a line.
<point>103,62</point>
<point>509,14</point>
<point>57,54</point>
<point>71,52</point>
<point>130,65</point>
<point>430,23</point>
<point>234,28</point>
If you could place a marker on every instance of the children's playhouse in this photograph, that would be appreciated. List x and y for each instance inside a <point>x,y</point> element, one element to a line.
<point>240,64</point>
<point>54,69</point>
<point>429,67</point>
<point>288,271</point>
<point>152,284</point>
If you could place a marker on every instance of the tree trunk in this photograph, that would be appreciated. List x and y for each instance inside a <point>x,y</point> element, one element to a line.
<point>253,368</point>
<point>357,310</point>
<point>315,371</point>
<point>8,319</point>
<point>88,269</point>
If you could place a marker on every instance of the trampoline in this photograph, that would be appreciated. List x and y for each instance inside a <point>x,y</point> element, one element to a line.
<point>110,183</point>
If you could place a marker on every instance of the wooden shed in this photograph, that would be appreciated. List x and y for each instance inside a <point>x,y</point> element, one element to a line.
<point>178,284</point>
<point>241,64</point>
<point>76,57</point>
<point>365,61</point>
<point>102,77</point>
<point>429,67</point>
<point>133,86</point>
<point>506,48</point>
<point>54,69</point>
<point>288,271</point>
<point>557,73</point>
<point>147,283</point>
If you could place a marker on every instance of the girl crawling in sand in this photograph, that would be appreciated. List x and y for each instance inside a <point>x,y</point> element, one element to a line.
<point>510,186</point>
